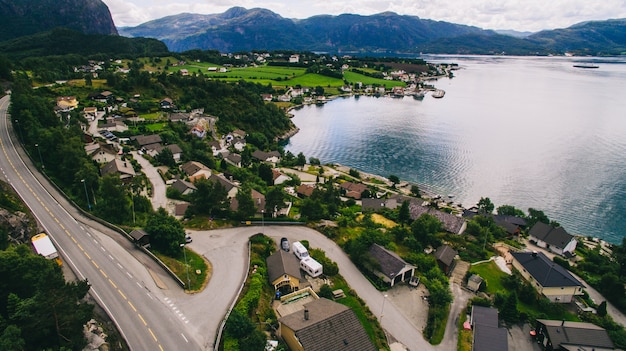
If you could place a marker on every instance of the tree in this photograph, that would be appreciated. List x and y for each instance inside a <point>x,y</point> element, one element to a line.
<point>535,216</point>
<point>166,233</point>
<point>485,206</point>
<point>274,200</point>
<point>508,210</point>
<point>404,214</point>
<point>602,309</point>
<point>425,227</point>
<point>166,157</point>
<point>509,311</point>
<point>312,209</point>
<point>300,159</point>
<point>114,204</point>
<point>245,203</point>
<point>265,173</point>
<point>415,191</point>
<point>238,325</point>
<point>394,180</point>
<point>209,196</point>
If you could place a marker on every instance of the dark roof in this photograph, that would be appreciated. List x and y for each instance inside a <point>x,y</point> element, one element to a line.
<point>445,254</point>
<point>192,167</point>
<point>182,186</point>
<point>544,271</point>
<point>137,234</point>
<point>490,338</point>
<point>554,236</point>
<point>234,158</point>
<point>181,209</point>
<point>282,262</point>
<point>575,333</point>
<point>225,183</point>
<point>484,316</point>
<point>372,204</point>
<point>449,222</point>
<point>390,263</point>
<point>262,155</point>
<point>331,326</point>
<point>143,140</point>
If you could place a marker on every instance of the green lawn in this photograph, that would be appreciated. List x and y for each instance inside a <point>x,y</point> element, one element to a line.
<point>199,272</point>
<point>492,275</point>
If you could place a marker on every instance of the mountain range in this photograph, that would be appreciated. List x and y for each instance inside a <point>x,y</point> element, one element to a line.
<point>239,29</point>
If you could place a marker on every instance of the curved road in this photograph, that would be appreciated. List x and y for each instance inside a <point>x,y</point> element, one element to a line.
<point>158,199</point>
<point>147,319</point>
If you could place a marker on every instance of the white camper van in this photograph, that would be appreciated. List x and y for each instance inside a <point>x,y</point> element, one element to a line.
<point>299,250</point>
<point>311,267</point>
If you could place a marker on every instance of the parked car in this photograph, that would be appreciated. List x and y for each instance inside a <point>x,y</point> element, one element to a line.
<point>284,244</point>
<point>188,238</point>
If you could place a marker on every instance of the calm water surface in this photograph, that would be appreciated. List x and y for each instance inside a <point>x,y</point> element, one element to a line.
<point>528,132</point>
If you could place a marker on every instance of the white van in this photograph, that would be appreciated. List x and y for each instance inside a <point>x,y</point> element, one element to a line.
<point>299,250</point>
<point>311,267</point>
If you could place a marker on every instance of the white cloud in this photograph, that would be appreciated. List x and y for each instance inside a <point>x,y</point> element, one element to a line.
<point>528,15</point>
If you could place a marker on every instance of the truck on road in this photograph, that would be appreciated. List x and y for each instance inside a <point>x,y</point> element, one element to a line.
<point>44,246</point>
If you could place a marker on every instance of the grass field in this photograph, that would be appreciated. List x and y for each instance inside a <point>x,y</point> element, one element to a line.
<point>353,77</point>
<point>492,275</point>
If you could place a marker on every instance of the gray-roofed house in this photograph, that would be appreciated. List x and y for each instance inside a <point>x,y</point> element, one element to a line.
<point>487,335</point>
<point>449,222</point>
<point>192,167</point>
<point>283,271</point>
<point>324,325</point>
<point>445,258</point>
<point>392,269</point>
<point>101,152</point>
<point>177,152</point>
<point>184,187</point>
<point>548,278</point>
<point>555,239</point>
<point>474,282</point>
<point>234,159</point>
<point>122,168</point>
<point>572,336</point>
<point>147,142</point>
<point>230,188</point>
<point>257,198</point>
<point>141,237</point>
<point>272,157</point>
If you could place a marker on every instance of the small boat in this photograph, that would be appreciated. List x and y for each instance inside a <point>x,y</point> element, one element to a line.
<point>438,94</point>
<point>586,65</point>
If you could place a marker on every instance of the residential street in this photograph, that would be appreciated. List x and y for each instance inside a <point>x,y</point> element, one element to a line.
<point>158,198</point>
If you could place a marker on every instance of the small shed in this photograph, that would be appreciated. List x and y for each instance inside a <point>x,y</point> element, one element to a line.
<point>141,237</point>
<point>474,282</point>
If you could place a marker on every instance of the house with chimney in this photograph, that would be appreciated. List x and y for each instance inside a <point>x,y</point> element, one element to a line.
<point>324,325</point>
<point>548,278</point>
<point>572,336</point>
<point>122,168</point>
<point>283,271</point>
<point>449,222</point>
<point>101,152</point>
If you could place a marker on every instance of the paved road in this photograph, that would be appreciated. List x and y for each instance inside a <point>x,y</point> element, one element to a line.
<point>158,198</point>
<point>227,250</point>
<point>120,284</point>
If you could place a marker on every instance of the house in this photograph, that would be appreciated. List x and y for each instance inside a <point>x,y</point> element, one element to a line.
<point>449,222</point>
<point>572,336</point>
<point>67,103</point>
<point>279,177</point>
<point>445,258</point>
<point>324,325</point>
<point>353,190</point>
<point>487,335</point>
<point>179,117</point>
<point>147,141</point>
<point>283,271</point>
<point>230,188</point>
<point>215,146</point>
<point>101,152</point>
<point>105,96</point>
<point>238,143</point>
<point>267,97</point>
<point>474,282</point>
<point>233,159</point>
<point>180,210</point>
<point>184,187</point>
<point>141,237</point>
<point>257,197</point>
<point>391,268</point>
<point>176,151</point>
<point>272,157</point>
<point>305,190</point>
<point>238,133</point>
<point>199,131</point>
<point>166,103</point>
<point>556,240</point>
<point>90,113</point>
<point>122,168</point>
<point>548,278</point>
<point>192,167</point>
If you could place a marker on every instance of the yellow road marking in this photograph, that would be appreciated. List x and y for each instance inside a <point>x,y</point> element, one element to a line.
<point>104,274</point>
<point>131,306</point>
<point>121,293</point>
<point>143,320</point>
<point>151,333</point>
<point>87,255</point>
<point>110,281</point>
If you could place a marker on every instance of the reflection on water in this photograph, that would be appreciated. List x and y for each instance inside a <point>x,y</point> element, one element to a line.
<point>528,132</point>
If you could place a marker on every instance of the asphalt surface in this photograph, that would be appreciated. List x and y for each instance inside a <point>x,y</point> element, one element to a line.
<point>120,283</point>
<point>159,198</point>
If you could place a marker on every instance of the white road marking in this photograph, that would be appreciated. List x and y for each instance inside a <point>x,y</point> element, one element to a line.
<point>183,335</point>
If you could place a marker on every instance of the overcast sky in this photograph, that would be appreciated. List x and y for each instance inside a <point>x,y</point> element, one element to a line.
<point>520,15</point>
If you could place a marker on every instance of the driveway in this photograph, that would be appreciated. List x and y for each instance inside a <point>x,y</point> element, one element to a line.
<point>226,249</point>
<point>158,198</point>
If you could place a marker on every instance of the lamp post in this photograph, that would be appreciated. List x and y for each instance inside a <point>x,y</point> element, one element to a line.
<point>19,130</point>
<point>382,309</point>
<point>43,167</point>
<point>263,221</point>
<point>187,266</point>
<point>86,194</point>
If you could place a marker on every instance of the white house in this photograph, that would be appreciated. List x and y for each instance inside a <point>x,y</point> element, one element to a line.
<point>556,240</point>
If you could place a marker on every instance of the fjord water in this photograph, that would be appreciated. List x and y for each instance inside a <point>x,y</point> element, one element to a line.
<point>524,131</point>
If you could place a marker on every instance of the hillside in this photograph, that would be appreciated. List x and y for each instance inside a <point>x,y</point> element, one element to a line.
<point>239,29</point>
<point>26,17</point>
